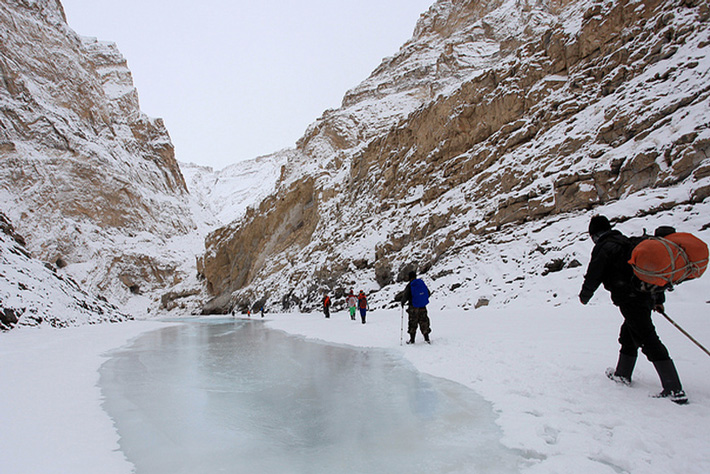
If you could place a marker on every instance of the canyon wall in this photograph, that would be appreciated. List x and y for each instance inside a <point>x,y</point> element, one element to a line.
<point>89,180</point>
<point>494,116</point>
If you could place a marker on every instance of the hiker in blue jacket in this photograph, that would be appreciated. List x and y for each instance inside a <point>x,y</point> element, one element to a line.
<point>416,294</point>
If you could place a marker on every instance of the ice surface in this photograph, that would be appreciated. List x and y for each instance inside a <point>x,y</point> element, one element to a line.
<point>234,396</point>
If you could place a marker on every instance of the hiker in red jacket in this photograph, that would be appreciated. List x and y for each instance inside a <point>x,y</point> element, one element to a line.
<point>362,305</point>
<point>326,305</point>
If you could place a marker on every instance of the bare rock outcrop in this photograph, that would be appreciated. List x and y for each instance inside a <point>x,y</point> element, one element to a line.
<point>285,223</point>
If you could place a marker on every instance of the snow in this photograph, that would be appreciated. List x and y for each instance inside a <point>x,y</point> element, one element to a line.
<point>39,294</point>
<point>51,405</point>
<point>540,364</point>
<point>225,195</point>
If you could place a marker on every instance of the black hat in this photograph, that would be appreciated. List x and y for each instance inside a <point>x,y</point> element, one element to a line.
<point>599,224</point>
<point>664,231</point>
<point>412,275</point>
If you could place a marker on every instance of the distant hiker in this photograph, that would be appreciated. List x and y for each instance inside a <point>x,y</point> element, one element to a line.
<point>362,305</point>
<point>351,301</point>
<point>416,294</point>
<point>326,305</point>
<point>609,266</point>
<point>261,310</point>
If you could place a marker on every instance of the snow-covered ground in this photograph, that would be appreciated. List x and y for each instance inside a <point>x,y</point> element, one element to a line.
<point>535,354</point>
<point>50,409</point>
<point>541,366</point>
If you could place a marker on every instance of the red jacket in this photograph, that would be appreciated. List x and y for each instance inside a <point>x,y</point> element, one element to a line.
<point>363,300</point>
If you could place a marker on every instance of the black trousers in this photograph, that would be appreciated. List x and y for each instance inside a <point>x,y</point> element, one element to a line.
<point>638,330</point>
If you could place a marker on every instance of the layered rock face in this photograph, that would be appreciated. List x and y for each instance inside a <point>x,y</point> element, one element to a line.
<point>495,116</point>
<point>85,176</point>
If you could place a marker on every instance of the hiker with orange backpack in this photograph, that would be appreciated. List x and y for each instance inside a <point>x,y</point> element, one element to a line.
<point>609,265</point>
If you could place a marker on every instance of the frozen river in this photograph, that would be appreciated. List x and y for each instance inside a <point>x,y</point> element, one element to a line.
<point>232,396</point>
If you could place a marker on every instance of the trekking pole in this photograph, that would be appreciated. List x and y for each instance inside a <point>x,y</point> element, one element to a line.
<point>684,332</point>
<point>401,327</point>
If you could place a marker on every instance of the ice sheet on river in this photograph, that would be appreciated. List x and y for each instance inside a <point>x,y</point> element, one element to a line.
<point>233,396</point>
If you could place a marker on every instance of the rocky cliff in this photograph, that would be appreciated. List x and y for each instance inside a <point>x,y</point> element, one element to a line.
<point>89,180</point>
<point>496,120</point>
<point>33,293</point>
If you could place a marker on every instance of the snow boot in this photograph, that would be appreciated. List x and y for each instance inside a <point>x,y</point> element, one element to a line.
<point>411,340</point>
<point>676,396</point>
<point>621,380</point>
<point>670,382</point>
<point>624,369</point>
<point>426,339</point>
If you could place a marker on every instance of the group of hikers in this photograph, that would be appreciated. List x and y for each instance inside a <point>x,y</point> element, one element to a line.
<point>609,266</point>
<point>261,311</point>
<point>354,303</point>
<point>415,295</point>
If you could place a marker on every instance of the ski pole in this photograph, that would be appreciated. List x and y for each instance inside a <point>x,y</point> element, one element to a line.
<point>401,327</point>
<point>684,332</point>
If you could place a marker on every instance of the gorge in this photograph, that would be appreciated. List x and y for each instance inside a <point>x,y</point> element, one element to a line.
<point>494,121</point>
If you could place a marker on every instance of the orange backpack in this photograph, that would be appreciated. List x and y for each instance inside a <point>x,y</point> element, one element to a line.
<point>669,260</point>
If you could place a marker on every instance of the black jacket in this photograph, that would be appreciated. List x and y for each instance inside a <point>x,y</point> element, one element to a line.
<point>407,294</point>
<point>610,266</point>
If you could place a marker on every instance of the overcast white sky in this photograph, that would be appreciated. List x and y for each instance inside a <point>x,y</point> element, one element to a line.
<point>234,80</point>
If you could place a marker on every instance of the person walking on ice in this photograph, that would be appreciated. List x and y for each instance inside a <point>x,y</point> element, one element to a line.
<point>609,266</point>
<point>416,294</point>
<point>326,305</point>
<point>362,305</point>
<point>351,301</point>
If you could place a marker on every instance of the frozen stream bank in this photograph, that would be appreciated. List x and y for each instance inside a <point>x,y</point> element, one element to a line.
<point>234,396</point>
